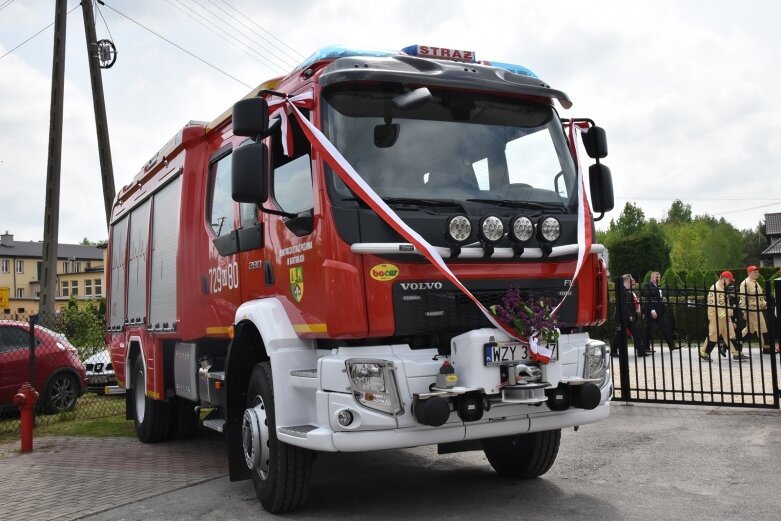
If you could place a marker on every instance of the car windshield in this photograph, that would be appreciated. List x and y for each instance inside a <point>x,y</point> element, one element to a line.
<point>455,146</point>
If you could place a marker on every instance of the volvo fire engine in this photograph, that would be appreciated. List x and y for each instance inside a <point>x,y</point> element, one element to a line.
<point>311,270</point>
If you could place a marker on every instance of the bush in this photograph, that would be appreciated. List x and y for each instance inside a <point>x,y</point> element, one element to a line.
<point>84,328</point>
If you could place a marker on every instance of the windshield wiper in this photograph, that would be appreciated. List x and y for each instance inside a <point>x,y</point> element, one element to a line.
<point>522,204</point>
<point>410,202</point>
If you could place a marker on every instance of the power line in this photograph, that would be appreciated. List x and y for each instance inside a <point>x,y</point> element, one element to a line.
<point>97,7</point>
<point>280,61</point>
<point>184,9</point>
<point>684,199</point>
<point>300,56</point>
<point>295,61</point>
<point>747,209</point>
<point>9,2</point>
<point>36,34</point>
<point>179,47</point>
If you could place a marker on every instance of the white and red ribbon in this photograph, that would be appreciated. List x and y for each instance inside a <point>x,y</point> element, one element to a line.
<point>367,195</point>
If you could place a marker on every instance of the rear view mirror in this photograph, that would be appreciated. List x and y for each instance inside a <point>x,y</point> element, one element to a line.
<point>412,99</point>
<point>249,173</point>
<point>601,184</point>
<point>595,142</point>
<point>385,136</point>
<point>250,118</point>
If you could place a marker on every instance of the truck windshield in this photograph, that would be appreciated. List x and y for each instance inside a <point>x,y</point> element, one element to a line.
<point>456,146</point>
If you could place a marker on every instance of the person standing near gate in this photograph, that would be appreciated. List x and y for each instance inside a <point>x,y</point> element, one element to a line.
<point>654,312</point>
<point>719,319</point>
<point>753,304</point>
<point>628,322</point>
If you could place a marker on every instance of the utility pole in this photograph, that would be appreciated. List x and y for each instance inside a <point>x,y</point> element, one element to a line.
<point>51,221</point>
<point>98,102</point>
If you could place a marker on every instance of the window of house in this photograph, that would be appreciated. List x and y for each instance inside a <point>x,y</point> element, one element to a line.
<point>6,265</point>
<point>19,266</point>
<point>98,287</point>
<point>220,203</point>
<point>65,288</point>
<point>88,288</point>
<point>19,292</point>
<point>77,267</point>
<point>74,287</point>
<point>66,267</point>
<point>20,310</point>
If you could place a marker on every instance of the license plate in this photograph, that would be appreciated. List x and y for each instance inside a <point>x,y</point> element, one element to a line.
<point>508,353</point>
<point>98,379</point>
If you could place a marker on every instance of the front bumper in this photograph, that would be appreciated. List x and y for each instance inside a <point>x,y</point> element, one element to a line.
<point>329,389</point>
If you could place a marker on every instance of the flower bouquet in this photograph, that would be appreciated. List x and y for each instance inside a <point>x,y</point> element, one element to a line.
<point>529,317</point>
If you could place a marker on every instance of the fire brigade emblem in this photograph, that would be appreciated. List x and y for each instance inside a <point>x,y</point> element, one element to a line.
<point>297,283</point>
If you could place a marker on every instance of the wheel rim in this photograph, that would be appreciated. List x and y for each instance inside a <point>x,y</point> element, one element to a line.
<point>63,393</point>
<point>254,438</point>
<point>140,396</point>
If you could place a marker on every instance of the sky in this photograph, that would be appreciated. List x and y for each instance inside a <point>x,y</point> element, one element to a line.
<point>684,90</point>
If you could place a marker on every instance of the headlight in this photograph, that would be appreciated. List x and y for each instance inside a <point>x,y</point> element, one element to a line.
<point>549,229</point>
<point>522,228</point>
<point>373,383</point>
<point>595,363</point>
<point>491,229</point>
<point>458,229</point>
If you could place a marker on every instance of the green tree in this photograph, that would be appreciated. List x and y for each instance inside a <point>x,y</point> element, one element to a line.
<point>631,220</point>
<point>679,213</point>
<point>686,251</point>
<point>84,328</point>
<point>754,243</point>
<point>639,253</point>
<point>723,248</point>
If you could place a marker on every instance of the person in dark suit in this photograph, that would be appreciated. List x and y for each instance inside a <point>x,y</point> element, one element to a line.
<point>628,316</point>
<point>654,312</point>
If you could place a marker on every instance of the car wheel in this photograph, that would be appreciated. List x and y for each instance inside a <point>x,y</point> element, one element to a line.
<point>61,393</point>
<point>523,456</point>
<point>151,417</point>
<point>280,472</point>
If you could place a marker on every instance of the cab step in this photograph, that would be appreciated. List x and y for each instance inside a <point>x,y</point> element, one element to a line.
<point>304,378</point>
<point>215,425</point>
<point>299,431</point>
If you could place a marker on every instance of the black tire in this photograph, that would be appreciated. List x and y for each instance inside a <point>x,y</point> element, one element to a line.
<point>183,418</point>
<point>284,487</point>
<point>62,392</point>
<point>523,456</point>
<point>151,417</point>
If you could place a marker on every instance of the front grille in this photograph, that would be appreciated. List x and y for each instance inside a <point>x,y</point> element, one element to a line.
<point>427,307</point>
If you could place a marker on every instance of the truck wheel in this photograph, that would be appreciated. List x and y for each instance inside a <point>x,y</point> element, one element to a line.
<point>523,456</point>
<point>280,472</point>
<point>184,419</point>
<point>151,417</point>
<point>61,393</point>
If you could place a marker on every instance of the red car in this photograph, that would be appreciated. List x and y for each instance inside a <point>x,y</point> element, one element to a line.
<point>60,376</point>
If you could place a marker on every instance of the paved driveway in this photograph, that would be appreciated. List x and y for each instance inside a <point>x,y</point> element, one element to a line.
<point>644,462</point>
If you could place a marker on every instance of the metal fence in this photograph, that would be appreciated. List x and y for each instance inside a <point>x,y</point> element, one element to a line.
<point>707,346</point>
<point>72,381</point>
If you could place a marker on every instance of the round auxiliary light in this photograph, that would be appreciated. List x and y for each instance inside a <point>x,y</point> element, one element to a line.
<point>549,229</point>
<point>458,229</point>
<point>522,228</point>
<point>491,229</point>
<point>344,417</point>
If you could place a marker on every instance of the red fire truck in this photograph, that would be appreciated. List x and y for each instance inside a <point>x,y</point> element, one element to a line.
<point>249,277</point>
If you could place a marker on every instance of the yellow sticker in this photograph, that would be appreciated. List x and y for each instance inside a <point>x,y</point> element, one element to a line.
<point>452,378</point>
<point>384,272</point>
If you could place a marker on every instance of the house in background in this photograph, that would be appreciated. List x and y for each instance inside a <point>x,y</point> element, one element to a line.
<point>773,232</point>
<point>80,272</point>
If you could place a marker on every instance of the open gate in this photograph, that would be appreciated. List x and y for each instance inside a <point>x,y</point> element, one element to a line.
<point>680,375</point>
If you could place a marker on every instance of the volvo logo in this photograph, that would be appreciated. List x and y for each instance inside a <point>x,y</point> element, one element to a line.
<point>416,286</point>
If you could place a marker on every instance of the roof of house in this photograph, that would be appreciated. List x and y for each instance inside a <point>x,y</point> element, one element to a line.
<point>774,248</point>
<point>33,249</point>
<point>773,224</point>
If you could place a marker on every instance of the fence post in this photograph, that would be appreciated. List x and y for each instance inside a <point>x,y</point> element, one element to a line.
<point>33,379</point>
<point>773,331</point>
<point>619,338</point>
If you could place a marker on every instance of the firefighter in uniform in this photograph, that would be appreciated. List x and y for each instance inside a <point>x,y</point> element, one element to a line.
<point>719,319</point>
<point>753,304</point>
